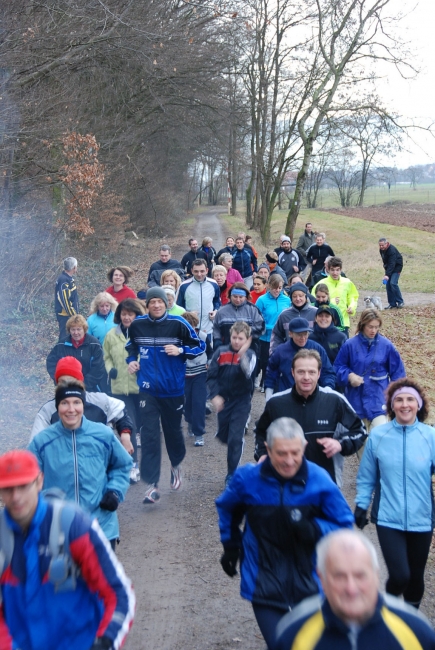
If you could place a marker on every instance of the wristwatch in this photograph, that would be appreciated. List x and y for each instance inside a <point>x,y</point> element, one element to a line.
<point>180,350</point>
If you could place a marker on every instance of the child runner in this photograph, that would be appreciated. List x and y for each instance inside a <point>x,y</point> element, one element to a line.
<point>229,381</point>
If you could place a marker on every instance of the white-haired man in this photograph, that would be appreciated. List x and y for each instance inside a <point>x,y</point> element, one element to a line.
<point>353,613</point>
<point>66,299</point>
<point>288,503</point>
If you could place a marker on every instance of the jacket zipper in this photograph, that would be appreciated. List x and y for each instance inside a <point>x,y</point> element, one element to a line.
<point>404,478</point>
<point>76,470</point>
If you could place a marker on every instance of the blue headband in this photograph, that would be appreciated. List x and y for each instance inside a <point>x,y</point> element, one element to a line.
<point>238,292</point>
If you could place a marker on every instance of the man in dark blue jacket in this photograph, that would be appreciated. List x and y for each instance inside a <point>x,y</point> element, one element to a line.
<point>393,264</point>
<point>244,261</point>
<point>162,343</point>
<point>353,613</point>
<point>279,374</point>
<point>288,503</point>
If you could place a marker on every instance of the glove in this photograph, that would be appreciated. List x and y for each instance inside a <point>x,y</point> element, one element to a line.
<point>355,380</point>
<point>102,642</point>
<point>229,561</point>
<point>110,501</point>
<point>306,531</point>
<point>113,373</point>
<point>360,517</point>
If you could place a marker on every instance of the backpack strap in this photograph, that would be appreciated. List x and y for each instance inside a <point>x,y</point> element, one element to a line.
<point>62,571</point>
<point>7,541</point>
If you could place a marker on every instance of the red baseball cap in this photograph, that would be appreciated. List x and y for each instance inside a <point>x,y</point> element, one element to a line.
<point>69,366</point>
<point>18,467</point>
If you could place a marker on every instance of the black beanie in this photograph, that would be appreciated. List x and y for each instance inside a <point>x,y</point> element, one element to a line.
<point>62,392</point>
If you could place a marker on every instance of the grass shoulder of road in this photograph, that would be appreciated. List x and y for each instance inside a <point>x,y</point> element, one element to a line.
<point>377,195</point>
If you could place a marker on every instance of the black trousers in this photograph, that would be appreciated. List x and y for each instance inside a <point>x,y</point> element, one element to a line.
<point>405,555</point>
<point>132,405</point>
<point>195,396</point>
<point>267,620</point>
<point>168,411</point>
<point>231,422</point>
<point>61,321</point>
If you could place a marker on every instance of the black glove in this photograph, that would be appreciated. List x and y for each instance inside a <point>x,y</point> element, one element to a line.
<point>113,373</point>
<point>360,517</point>
<point>110,501</point>
<point>306,531</point>
<point>103,642</point>
<point>229,561</point>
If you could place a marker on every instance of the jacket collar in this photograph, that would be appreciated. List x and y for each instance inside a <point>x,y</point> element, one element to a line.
<point>82,428</point>
<point>408,427</point>
<point>301,398</point>
<point>159,320</point>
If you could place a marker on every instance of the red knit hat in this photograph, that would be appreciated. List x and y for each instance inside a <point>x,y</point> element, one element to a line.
<point>69,366</point>
<point>18,467</point>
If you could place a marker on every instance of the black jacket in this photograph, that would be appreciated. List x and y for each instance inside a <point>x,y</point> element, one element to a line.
<point>318,253</point>
<point>230,376</point>
<point>189,258</point>
<point>66,299</point>
<point>226,249</point>
<point>157,268</point>
<point>330,338</point>
<point>90,355</point>
<point>392,260</point>
<point>323,414</point>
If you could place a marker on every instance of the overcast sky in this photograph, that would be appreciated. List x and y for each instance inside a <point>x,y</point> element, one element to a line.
<point>416,98</point>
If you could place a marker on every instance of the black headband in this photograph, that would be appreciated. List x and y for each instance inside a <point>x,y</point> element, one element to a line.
<point>69,391</point>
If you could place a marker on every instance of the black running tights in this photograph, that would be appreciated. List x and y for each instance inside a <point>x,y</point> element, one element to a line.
<point>405,555</point>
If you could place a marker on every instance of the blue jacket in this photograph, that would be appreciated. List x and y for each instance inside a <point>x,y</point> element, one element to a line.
<point>159,374</point>
<point>378,362</point>
<point>397,465</point>
<point>270,308</point>
<point>85,463</point>
<point>279,368</point>
<point>100,325</point>
<point>201,297</point>
<point>37,617</point>
<point>242,261</point>
<point>277,567</point>
<point>394,625</point>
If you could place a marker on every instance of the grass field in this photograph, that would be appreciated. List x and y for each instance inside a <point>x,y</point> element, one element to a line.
<point>378,195</point>
<point>356,242</point>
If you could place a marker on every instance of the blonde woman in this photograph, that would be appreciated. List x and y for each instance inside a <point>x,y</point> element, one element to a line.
<point>172,278</point>
<point>100,319</point>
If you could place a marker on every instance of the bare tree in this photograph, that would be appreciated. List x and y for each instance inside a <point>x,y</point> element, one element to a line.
<point>349,35</point>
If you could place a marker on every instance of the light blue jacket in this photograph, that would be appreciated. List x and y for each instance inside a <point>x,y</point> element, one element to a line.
<point>270,308</point>
<point>397,465</point>
<point>85,463</point>
<point>100,325</point>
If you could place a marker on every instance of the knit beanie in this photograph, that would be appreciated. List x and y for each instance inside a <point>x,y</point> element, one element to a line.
<point>167,288</point>
<point>63,392</point>
<point>156,292</point>
<point>69,366</point>
<point>298,286</point>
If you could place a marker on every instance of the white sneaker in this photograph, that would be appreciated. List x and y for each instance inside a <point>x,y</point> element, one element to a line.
<point>134,474</point>
<point>176,477</point>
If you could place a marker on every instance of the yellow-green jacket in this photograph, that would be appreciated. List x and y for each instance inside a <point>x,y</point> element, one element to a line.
<point>115,355</point>
<point>345,290</point>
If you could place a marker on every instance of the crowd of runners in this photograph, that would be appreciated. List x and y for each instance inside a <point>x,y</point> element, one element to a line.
<point>203,335</point>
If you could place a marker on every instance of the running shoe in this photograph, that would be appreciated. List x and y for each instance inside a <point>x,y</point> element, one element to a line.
<point>176,477</point>
<point>199,441</point>
<point>134,474</point>
<point>400,305</point>
<point>152,495</point>
<point>189,430</point>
